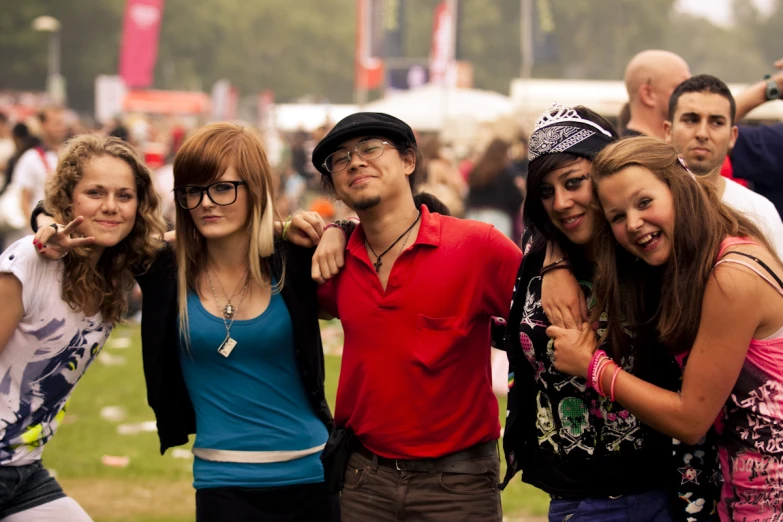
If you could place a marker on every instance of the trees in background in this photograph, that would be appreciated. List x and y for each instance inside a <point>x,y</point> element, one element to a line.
<point>305,47</point>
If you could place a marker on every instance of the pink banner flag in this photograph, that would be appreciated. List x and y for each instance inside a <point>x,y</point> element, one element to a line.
<point>139,48</point>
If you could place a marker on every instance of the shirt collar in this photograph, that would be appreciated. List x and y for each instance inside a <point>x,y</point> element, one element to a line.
<point>429,233</point>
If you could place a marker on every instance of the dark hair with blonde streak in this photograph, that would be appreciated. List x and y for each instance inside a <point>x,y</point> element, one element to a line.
<point>203,158</point>
<point>701,223</point>
<point>105,285</point>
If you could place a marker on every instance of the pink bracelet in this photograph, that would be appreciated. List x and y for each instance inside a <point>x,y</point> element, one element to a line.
<point>598,356</point>
<point>614,378</point>
<point>590,367</point>
<point>335,225</point>
<point>599,386</point>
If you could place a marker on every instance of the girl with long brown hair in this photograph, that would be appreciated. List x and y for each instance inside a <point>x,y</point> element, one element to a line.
<point>671,251</point>
<point>58,315</point>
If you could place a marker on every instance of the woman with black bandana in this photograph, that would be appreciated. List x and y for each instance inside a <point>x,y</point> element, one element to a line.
<point>595,459</point>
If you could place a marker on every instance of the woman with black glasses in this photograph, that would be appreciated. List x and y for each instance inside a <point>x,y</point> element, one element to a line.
<point>230,340</point>
<point>247,372</point>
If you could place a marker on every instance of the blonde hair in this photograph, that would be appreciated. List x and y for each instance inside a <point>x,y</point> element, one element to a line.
<point>106,284</point>
<point>202,159</point>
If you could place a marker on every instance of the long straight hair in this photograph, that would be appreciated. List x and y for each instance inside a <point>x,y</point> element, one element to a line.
<point>701,222</point>
<point>203,158</point>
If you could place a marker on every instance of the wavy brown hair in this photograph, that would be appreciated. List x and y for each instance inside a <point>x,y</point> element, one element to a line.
<point>105,286</point>
<point>668,297</point>
<point>202,159</point>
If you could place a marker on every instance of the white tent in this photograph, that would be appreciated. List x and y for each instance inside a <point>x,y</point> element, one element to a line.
<point>533,97</point>
<point>433,108</point>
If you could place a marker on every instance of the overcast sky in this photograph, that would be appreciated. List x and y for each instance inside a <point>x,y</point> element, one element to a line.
<point>718,11</point>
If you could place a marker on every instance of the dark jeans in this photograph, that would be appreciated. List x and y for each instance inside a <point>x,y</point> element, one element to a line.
<point>651,506</point>
<point>298,503</point>
<point>25,487</point>
<point>378,493</point>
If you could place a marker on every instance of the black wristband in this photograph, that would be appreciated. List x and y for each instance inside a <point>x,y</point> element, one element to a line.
<point>553,266</point>
<point>347,226</point>
<point>37,211</point>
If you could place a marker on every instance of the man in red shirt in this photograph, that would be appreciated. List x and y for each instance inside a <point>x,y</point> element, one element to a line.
<point>416,298</point>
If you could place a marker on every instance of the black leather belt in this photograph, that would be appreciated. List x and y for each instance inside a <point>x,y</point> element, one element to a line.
<point>459,462</point>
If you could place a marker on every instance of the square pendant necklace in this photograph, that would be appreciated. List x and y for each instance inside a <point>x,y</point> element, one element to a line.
<point>229,313</point>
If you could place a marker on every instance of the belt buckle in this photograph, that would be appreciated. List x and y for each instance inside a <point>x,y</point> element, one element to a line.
<point>397,464</point>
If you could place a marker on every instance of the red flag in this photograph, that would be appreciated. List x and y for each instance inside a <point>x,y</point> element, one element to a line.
<point>442,46</point>
<point>368,64</point>
<point>139,48</point>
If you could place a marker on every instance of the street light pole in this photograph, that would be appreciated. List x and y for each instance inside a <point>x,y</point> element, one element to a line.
<point>54,54</point>
<point>55,84</point>
<point>526,37</point>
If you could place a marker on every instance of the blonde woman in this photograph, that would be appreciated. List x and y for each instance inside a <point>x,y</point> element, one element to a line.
<point>57,315</point>
<point>231,343</point>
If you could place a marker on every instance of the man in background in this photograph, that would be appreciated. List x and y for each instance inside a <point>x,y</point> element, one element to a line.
<point>701,127</point>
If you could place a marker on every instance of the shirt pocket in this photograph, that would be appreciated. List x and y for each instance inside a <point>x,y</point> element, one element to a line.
<point>436,338</point>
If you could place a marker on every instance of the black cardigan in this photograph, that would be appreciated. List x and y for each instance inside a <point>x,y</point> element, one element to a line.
<point>166,392</point>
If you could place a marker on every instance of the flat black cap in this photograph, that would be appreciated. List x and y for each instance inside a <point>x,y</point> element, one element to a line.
<point>361,124</point>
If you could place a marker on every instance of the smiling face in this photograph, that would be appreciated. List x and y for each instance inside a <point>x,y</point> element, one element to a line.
<point>640,210</point>
<point>107,199</point>
<point>364,183</point>
<point>566,195</point>
<point>221,221</point>
<point>702,131</point>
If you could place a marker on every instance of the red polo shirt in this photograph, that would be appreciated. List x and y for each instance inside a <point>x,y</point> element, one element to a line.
<point>415,379</point>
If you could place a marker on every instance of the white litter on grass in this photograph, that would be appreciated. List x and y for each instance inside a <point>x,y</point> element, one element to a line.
<point>180,453</point>
<point>108,359</point>
<point>115,461</point>
<point>139,427</point>
<point>113,413</point>
<point>119,343</point>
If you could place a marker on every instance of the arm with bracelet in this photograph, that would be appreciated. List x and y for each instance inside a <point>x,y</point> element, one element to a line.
<point>562,299</point>
<point>329,257</point>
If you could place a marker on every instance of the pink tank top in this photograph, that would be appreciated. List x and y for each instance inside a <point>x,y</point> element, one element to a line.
<point>751,427</point>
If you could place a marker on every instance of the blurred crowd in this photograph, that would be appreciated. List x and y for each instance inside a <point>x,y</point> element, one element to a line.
<point>484,181</point>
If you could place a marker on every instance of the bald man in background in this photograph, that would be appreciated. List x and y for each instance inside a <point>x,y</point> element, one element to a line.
<point>650,78</point>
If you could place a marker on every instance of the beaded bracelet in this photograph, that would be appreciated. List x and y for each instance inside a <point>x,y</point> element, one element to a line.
<point>598,356</point>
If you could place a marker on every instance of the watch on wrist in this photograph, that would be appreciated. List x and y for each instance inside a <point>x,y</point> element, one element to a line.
<point>773,91</point>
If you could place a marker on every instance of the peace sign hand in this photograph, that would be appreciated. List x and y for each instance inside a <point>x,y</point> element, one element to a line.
<point>54,241</point>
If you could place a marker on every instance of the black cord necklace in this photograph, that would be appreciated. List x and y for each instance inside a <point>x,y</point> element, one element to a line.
<point>378,261</point>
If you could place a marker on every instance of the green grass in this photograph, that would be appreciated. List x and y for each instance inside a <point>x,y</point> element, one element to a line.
<point>155,488</point>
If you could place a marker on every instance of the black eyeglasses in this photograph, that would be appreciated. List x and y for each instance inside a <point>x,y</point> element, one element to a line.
<point>221,193</point>
<point>368,149</point>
